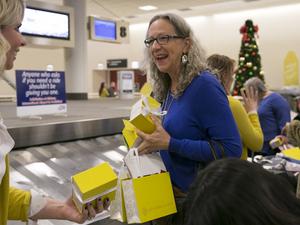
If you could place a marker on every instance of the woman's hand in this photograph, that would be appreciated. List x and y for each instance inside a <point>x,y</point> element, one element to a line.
<point>89,212</point>
<point>158,140</point>
<point>67,210</point>
<point>250,99</point>
<point>71,213</point>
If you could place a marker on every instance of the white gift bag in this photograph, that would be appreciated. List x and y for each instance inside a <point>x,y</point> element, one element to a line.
<point>142,165</point>
<point>117,206</point>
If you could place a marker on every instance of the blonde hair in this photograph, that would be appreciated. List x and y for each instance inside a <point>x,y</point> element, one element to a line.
<point>11,14</point>
<point>196,59</point>
<point>222,66</point>
<point>293,133</point>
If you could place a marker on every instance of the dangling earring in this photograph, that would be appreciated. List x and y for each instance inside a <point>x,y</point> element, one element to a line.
<point>184,59</point>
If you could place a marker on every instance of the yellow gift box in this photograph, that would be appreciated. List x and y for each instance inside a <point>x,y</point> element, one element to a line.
<point>148,198</point>
<point>88,185</point>
<point>143,123</point>
<point>140,113</point>
<point>146,90</point>
<point>140,119</point>
<point>129,134</point>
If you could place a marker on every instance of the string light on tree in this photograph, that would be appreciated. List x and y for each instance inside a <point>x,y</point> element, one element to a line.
<point>249,57</point>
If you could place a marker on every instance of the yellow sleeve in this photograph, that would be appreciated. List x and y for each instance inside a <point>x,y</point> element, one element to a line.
<point>248,125</point>
<point>19,203</point>
<point>14,203</point>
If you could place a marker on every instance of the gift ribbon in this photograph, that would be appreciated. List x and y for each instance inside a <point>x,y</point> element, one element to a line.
<point>156,112</point>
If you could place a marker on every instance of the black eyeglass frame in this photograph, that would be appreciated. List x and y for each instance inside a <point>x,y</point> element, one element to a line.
<point>149,41</point>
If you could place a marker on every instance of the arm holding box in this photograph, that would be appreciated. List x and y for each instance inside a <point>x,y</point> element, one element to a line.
<point>155,141</point>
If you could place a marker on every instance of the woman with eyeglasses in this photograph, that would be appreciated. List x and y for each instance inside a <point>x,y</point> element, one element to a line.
<point>197,109</point>
<point>245,117</point>
<point>16,204</point>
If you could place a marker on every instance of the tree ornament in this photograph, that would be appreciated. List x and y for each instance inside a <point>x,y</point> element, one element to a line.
<point>249,64</point>
<point>242,59</point>
<point>254,67</point>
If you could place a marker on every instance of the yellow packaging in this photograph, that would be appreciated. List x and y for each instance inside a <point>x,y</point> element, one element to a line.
<point>129,134</point>
<point>146,89</point>
<point>292,153</point>
<point>148,198</point>
<point>276,142</point>
<point>143,123</point>
<point>88,185</point>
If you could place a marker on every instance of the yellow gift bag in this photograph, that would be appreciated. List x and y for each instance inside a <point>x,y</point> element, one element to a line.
<point>148,198</point>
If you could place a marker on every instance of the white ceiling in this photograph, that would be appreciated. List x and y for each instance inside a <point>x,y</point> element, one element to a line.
<point>128,9</point>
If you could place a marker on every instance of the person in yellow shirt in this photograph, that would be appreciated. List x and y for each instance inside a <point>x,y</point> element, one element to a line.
<point>18,204</point>
<point>103,92</point>
<point>245,116</point>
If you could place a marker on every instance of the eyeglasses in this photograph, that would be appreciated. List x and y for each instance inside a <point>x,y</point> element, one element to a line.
<point>162,40</point>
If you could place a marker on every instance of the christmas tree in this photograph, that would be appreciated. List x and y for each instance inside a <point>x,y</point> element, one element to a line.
<point>249,59</point>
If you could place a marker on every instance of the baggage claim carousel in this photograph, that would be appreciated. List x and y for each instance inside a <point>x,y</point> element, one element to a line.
<point>50,149</point>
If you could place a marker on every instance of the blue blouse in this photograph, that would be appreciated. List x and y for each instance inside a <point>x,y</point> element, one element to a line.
<point>200,114</point>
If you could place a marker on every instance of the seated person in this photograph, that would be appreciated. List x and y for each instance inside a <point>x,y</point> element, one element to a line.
<point>218,196</point>
<point>290,136</point>
<point>103,92</point>
<point>293,133</point>
<point>245,118</point>
<point>273,112</point>
<point>112,89</point>
<point>297,101</point>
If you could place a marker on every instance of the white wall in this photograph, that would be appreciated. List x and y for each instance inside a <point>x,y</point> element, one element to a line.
<point>278,34</point>
<point>219,33</point>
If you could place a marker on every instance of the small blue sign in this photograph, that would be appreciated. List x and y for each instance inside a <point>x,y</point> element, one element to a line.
<point>40,87</point>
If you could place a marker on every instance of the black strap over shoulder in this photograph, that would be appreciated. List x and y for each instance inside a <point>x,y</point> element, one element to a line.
<point>213,149</point>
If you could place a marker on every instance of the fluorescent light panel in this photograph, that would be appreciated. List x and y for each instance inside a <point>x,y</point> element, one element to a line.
<point>147,7</point>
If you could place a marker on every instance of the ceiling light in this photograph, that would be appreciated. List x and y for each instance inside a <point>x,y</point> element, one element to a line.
<point>148,7</point>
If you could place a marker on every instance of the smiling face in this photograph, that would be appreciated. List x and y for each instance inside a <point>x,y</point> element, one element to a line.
<point>15,40</point>
<point>167,57</point>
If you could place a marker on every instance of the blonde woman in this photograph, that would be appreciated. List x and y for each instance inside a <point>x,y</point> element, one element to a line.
<point>17,204</point>
<point>246,117</point>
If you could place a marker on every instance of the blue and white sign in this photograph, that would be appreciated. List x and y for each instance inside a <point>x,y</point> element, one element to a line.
<point>126,83</point>
<point>40,92</point>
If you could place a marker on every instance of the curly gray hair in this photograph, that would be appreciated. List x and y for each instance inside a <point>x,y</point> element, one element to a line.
<point>196,59</point>
<point>258,85</point>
